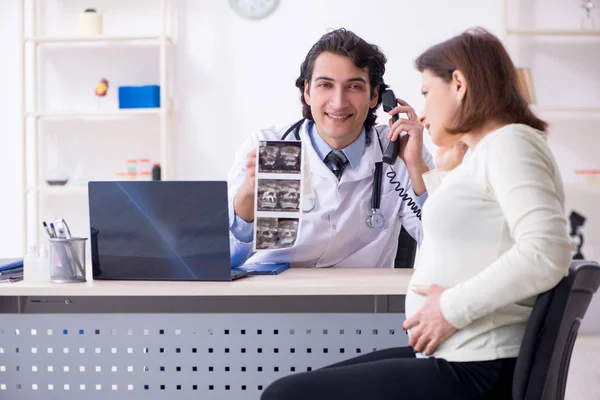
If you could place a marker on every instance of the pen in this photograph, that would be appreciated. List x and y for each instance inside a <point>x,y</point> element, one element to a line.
<point>47,229</point>
<point>65,232</point>
<point>53,230</point>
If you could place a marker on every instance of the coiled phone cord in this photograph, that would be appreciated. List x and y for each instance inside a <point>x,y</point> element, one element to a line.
<point>401,192</point>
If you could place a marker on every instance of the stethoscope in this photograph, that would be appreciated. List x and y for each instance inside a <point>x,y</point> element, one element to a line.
<point>376,220</point>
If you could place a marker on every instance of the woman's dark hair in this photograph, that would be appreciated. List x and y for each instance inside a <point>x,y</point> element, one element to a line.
<point>362,54</point>
<point>492,83</point>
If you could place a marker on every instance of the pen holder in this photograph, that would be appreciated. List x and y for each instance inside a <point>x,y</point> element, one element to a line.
<point>67,260</point>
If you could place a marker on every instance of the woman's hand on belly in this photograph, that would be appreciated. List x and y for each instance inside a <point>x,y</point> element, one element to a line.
<point>428,326</point>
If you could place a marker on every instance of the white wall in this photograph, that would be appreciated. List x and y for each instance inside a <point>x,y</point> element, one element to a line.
<point>11,197</point>
<point>238,75</point>
<point>234,76</point>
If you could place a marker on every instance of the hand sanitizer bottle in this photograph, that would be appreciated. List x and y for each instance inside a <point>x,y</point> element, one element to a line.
<point>31,264</point>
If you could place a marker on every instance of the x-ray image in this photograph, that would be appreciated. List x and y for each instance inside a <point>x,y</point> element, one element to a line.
<point>268,193</point>
<point>279,188</point>
<point>287,231</point>
<point>279,157</point>
<point>290,157</point>
<point>266,233</point>
<point>276,233</point>
<point>267,157</point>
<point>278,195</point>
<point>289,195</point>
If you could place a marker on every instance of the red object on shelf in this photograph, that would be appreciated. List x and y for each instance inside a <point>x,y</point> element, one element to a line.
<point>101,88</point>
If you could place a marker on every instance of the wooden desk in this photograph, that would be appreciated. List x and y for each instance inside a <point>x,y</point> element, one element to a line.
<point>293,282</point>
<point>191,340</point>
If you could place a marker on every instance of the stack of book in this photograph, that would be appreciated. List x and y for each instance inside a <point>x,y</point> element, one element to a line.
<point>11,271</point>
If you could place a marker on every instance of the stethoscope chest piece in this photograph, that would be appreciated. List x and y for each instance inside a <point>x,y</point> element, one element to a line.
<point>376,221</point>
<point>308,204</point>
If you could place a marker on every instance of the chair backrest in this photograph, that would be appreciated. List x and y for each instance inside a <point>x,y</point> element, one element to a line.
<point>407,249</point>
<point>543,363</point>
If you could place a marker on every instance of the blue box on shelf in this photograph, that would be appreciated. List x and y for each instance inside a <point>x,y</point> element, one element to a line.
<point>139,96</point>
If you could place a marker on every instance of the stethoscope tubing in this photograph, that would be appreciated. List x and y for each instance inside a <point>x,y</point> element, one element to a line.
<point>376,220</point>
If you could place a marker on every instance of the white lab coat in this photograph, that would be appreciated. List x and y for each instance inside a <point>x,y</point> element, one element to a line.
<point>335,232</point>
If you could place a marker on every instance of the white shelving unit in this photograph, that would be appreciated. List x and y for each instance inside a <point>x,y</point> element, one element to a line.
<point>124,113</point>
<point>563,67</point>
<point>586,110</point>
<point>593,34</point>
<point>550,32</point>
<point>58,190</point>
<point>33,114</point>
<point>96,40</point>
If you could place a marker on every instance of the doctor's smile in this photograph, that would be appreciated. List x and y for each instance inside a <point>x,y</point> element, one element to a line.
<point>338,118</point>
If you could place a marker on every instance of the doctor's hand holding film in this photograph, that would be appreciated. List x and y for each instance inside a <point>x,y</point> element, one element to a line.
<point>243,202</point>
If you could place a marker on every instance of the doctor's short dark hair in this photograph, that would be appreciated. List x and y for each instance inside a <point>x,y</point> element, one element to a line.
<point>362,54</point>
<point>492,83</point>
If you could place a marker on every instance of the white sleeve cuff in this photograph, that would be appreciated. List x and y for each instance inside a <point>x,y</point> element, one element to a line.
<point>433,178</point>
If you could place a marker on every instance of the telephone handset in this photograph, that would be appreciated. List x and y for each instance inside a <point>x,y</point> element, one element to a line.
<point>391,153</point>
<point>389,102</point>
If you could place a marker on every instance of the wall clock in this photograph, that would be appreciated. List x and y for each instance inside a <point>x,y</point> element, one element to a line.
<point>254,9</point>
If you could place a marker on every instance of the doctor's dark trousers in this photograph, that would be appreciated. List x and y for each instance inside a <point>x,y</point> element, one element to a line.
<point>395,374</point>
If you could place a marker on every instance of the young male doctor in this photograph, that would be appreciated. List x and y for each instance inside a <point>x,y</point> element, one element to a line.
<point>341,83</point>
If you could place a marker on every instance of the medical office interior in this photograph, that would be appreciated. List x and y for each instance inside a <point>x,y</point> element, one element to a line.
<point>214,75</point>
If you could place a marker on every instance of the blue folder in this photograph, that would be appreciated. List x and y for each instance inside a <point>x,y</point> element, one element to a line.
<point>264,268</point>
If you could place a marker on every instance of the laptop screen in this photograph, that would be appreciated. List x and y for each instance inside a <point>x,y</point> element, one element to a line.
<point>159,230</point>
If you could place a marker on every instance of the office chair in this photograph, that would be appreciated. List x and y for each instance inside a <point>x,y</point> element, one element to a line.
<point>407,248</point>
<point>543,362</point>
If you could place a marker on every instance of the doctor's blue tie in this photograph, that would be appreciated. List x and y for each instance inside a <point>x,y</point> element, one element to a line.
<point>337,161</point>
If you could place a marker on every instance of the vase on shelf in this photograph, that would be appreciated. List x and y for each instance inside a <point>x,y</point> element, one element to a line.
<point>55,169</point>
<point>90,23</point>
<point>587,22</point>
<point>56,175</point>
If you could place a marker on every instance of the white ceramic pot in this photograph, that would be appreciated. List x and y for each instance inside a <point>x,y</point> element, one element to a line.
<point>90,24</point>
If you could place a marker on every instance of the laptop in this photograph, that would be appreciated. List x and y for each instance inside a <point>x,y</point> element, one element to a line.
<point>160,230</point>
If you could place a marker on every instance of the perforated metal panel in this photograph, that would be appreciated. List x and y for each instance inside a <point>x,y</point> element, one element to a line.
<point>182,356</point>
